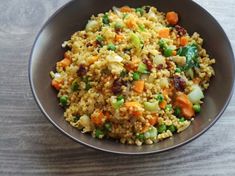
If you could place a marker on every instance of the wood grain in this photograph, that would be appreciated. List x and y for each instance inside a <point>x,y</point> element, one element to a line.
<point>30,145</point>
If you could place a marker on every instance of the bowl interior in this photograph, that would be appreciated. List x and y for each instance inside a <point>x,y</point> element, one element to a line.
<point>73,17</point>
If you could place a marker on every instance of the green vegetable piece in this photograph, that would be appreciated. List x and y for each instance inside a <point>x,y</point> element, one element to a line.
<point>125,16</point>
<point>147,135</point>
<point>140,11</point>
<point>108,126</point>
<point>162,128</point>
<point>76,118</point>
<point>141,27</point>
<point>182,119</point>
<point>172,128</point>
<point>88,86</point>
<point>142,68</point>
<point>64,100</point>
<point>168,52</point>
<point>87,82</point>
<point>197,108</point>
<point>118,26</point>
<point>112,47</point>
<point>150,106</point>
<point>191,54</point>
<point>120,97</point>
<point>100,40</point>
<point>162,43</point>
<point>190,73</point>
<point>105,19</point>
<point>52,74</point>
<point>135,40</point>
<point>140,136</point>
<point>99,133</point>
<point>123,74</point>
<point>168,107</point>
<point>116,104</point>
<point>153,132</point>
<point>177,111</point>
<point>74,86</point>
<point>159,97</point>
<point>177,70</point>
<point>136,76</point>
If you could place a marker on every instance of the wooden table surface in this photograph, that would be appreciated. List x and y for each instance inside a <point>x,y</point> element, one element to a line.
<point>30,145</point>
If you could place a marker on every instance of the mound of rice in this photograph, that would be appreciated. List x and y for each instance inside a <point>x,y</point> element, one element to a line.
<point>133,75</point>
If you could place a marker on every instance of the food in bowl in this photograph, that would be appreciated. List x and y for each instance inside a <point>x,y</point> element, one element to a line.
<point>134,75</point>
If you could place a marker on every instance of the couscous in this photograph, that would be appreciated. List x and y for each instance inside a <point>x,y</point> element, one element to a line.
<point>133,75</point>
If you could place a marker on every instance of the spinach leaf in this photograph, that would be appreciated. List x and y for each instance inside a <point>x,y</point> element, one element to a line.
<point>191,54</point>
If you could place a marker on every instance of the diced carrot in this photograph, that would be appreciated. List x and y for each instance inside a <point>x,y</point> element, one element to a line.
<point>188,113</point>
<point>183,41</point>
<point>93,59</point>
<point>164,33</point>
<point>125,9</point>
<point>130,24</point>
<point>118,38</point>
<point>174,53</point>
<point>197,80</point>
<point>65,62</point>
<point>185,104</point>
<point>67,55</point>
<point>56,84</point>
<point>107,115</point>
<point>136,113</point>
<point>132,104</point>
<point>153,120</point>
<point>138,86</point>
<point>130,66</point>
<point>168,92</point>
<point>98,119</point>
<point>163,104</point>
<point>145,128</point>
<point>172,18</point>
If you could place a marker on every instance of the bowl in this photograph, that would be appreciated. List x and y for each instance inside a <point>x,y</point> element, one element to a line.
<point>73,16</point>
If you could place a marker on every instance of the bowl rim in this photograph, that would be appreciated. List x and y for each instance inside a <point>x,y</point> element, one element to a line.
<point>51,17</point>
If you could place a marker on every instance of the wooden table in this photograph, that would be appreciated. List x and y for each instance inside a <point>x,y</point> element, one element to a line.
<point>30,145</point>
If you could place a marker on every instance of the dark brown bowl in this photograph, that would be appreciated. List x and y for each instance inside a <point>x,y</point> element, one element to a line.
<point>73,16</point>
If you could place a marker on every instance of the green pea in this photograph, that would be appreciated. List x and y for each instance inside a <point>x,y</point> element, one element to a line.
<point>197,108</point>
<point>177,111</point>
<point>168,52</point>
<point>111,47</point>
<point>74,85</point>
<point>177,70</point>
<point>136,76</point>
<point>76,118</point>
<point>159,97</point>
<point>105,19</point>
<point>100,38</point>
<point>140,11</point>
<point>118,26</point>
<point>162,128</point>
<point>172,128</point>
<point>142,68</point>
<point>120,97</point>
<point>182,119</point>
<point>99,133</point>
<point>168,107</point>
<point>64,100</point>
<point>140,136</point>
<point>108,126</point>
